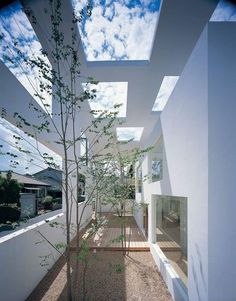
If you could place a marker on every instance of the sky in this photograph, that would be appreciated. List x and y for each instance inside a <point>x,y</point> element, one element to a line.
<point>27,163</point>
<point>166,88</point>
<point>108,95</point>
<point>16,28</point>
<point>116,28</point>
<point>16,33</point>
<point>224,12</point>
<point>128,133</point>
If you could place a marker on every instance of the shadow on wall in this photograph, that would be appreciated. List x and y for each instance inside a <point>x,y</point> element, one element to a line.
<point>197,269</point>
<point>165,182</point>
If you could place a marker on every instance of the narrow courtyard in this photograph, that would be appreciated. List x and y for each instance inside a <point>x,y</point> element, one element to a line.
<point>106,273</point>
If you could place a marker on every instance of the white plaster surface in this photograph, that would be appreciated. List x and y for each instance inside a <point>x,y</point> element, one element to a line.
<point>22,254</point>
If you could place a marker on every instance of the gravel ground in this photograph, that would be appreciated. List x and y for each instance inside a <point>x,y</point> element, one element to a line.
<point>110,276</point>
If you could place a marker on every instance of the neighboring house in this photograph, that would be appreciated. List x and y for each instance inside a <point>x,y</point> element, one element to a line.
<point>32,193</point>
<point>53,177</point>
<point>179,97</point>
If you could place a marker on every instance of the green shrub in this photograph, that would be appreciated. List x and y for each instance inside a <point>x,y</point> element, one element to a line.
<point>9,190</point>
<point>9,199</point>
<point>57,200</point>
<point>47,202</point>
<point>9,213</point>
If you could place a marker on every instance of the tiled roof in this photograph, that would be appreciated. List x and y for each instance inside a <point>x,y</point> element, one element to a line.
<point>24,179</point>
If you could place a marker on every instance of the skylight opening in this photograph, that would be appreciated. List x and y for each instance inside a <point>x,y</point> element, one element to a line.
<point>225,12</point>
<point>129,133</point>
<point>17,35</point>
<point>108,94</point>
<point>166,89</point>
<point>118,30</point>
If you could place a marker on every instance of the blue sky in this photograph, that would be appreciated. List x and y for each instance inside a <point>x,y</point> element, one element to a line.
<point>116,28</point>
<point>166,89</point>
<point>16,28</point>
<point>108,95</point>
<point>27,163</point>
<point>128,133</point>
<point>224,12</point>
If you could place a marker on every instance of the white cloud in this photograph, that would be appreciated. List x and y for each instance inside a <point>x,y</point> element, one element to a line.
<point>15,27</point>
<point>128,32</point>
<point>109,12</point>
<point>167,87</point>
<point>224,12</point>
<point>109,94</point>
<point>128,133</point>
<point>79,5</point>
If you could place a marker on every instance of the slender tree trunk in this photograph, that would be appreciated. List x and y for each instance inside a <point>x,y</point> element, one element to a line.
<point>68,259</point>
<point>124,228</point>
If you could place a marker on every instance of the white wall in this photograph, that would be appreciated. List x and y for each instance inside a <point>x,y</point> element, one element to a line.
<point>138,216</point>
<point>198,128</point>
<point>20,254</point>
<point>173,282</point>
<point>222,161</point>
<point>184,124</point>
<point>108,208</point>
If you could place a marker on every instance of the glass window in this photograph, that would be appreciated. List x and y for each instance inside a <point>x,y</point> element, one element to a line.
<point>84,148</point>
<point>171,231</point>
<point>156,169</point>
